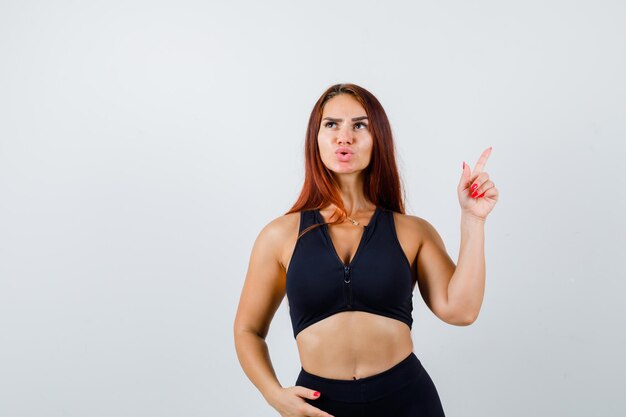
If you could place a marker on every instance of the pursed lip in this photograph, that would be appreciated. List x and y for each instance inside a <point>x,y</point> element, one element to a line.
<point>343,149</point>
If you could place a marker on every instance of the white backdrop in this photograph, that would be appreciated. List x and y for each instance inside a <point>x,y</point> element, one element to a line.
<point>144,145</point>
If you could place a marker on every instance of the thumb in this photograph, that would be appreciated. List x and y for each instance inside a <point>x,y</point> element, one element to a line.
<point>465,177</point>
<point>309,393</point>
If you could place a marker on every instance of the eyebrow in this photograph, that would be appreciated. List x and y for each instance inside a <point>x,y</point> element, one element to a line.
<point>354,119</point>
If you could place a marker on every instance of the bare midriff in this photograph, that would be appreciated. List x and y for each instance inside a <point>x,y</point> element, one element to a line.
<point>353,344</point>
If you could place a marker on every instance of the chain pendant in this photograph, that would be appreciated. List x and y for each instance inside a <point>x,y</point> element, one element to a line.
<point>354,222</point>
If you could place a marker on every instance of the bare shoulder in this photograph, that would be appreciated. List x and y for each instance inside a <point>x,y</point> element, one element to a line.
<point>281,233</point>
<point>264,284</point>
<point>407,221</point>
<point>413,232</point>
<point>277,230</point>
<point>408,230</point>
<point>415,226</point>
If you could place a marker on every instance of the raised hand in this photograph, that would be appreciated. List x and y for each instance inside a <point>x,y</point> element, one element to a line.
<point>477,193</point>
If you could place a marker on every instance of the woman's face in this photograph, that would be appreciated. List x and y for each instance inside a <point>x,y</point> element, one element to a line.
<point>344,127</point>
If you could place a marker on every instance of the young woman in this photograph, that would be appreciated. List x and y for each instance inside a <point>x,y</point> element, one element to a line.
<point>348,259</point>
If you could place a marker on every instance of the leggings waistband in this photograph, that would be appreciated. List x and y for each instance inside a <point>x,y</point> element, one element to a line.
<point>366,389</point>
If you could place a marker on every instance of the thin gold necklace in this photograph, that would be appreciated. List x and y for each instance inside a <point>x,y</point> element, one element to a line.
<point>354,222</point>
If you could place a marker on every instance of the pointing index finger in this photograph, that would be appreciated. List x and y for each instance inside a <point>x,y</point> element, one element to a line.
<point>482,160</point>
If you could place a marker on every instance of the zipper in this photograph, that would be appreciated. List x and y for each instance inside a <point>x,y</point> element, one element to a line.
<point>348,281</point>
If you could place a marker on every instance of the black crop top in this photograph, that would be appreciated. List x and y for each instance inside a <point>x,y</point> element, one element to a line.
<point>377,280</point>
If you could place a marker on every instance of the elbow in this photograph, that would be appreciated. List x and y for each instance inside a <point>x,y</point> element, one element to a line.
<point>462,319</point>
<point>470,319</point>
<point>467,321</point>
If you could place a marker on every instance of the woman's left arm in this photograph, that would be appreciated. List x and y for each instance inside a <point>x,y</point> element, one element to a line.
<point>477,197</point>
<point>467,285</point>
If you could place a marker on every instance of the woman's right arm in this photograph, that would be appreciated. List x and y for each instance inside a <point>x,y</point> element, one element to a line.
<point>262,293</point>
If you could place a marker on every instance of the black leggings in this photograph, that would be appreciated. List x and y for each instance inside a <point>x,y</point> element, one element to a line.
<point>404,390</point>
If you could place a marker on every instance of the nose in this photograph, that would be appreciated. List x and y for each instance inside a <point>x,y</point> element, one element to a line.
<point>344,135</point>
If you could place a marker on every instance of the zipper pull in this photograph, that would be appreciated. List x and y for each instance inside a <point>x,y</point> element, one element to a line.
<point>346,274</point>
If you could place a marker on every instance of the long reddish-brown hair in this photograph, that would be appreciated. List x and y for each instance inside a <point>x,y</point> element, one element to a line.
<point>381,179</point>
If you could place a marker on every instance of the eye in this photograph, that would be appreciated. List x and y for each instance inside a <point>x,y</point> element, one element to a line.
<point>327,123</point>
<point>361,123</point>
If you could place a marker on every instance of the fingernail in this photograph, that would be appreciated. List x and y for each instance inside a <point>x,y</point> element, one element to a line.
<point>474,194</point>
<point>475,186</point>
<point>316,394</point>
